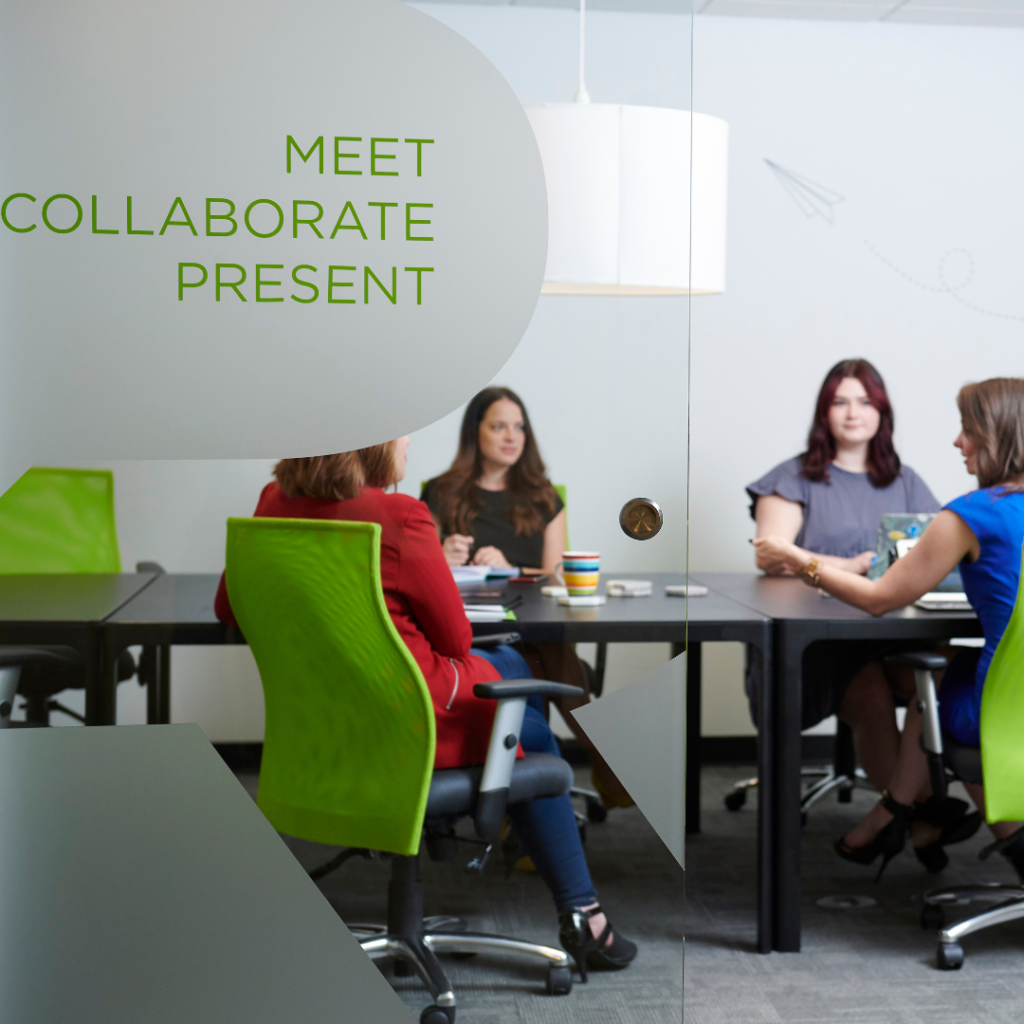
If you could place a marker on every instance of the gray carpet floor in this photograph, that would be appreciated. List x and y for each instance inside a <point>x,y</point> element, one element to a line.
<point>638,881</point>
<point>872,965</point>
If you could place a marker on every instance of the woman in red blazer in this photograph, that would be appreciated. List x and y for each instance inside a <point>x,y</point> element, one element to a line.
<point>426,608</point>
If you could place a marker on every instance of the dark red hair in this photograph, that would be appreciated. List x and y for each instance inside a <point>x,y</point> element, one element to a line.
<point>883,462</point>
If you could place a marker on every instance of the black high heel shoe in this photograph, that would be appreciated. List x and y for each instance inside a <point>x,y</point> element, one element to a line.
<point>579,942</point>
<point>889,840</point>
<point>950,815</point>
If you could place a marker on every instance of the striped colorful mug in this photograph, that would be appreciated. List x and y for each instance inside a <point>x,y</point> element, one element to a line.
<point>579,572</point>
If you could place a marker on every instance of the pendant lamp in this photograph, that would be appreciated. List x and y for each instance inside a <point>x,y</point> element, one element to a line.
<point>636,196</point>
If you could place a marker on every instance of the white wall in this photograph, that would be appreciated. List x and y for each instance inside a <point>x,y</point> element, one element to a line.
<point>917,127</point>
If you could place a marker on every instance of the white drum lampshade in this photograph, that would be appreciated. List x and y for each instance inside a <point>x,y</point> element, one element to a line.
<point>619,199</point>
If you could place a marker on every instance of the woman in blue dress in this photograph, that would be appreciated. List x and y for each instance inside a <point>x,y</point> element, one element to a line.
<point>981,532</point>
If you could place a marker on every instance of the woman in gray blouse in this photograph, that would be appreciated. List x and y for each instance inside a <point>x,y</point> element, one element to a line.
<point>829,502</point>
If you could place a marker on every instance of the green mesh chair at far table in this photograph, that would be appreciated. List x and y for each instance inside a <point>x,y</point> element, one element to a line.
<point>55,521</point>
<point>999,762</point>
<point>349,743</point>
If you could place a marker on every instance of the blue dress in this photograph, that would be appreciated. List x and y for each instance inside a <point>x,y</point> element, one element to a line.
<point>996,517</point>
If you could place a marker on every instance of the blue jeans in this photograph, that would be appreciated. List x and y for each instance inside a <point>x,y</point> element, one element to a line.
<point>546,827</point>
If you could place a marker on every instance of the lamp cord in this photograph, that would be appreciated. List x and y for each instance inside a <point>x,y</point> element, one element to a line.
<point>582,96</point>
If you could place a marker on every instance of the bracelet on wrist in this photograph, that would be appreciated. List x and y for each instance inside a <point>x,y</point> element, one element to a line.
<point>811,569</point>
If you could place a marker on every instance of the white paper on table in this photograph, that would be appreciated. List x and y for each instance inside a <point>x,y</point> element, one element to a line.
<point>469,573</point>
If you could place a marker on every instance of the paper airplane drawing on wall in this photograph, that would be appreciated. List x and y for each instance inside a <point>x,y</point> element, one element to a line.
<point>813,199</point>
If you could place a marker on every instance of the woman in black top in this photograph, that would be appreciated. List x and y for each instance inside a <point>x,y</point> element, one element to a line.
<point>496,506</point>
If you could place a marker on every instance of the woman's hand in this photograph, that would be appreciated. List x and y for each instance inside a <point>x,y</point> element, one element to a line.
<point>491,556</point>
<point>860,563</point>
<point>456,548</point>
<point>779,557</point>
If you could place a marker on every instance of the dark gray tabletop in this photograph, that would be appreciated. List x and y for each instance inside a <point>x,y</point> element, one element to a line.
<point>655,619</point>
<point>139,882</point>
<point>786,598</point>
<point>176,609</point>
<point>81,597</point>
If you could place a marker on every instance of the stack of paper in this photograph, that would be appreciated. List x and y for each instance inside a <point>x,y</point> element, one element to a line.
<point>485,612</point>
<point>469,573</point>
<point>943,601</point>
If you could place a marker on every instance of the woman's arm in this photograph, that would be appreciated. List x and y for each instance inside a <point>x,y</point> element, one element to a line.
<point>779,517</point>
<point>455,546</point>
<point>946,542</point>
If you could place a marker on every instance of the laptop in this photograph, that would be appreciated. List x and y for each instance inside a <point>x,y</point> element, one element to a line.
<point>897,533</point>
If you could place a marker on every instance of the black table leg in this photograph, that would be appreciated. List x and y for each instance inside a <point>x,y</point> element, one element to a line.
<point>765,796</point>
<point>100,679</point>
<point>790,641</point>
<point>156,662</point>
<point>693,758</point>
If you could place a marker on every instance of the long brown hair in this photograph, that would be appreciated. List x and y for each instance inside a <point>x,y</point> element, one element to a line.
<point>992,413</point>
<point>338,476</point>
<point>530,491</point>
<point>883,462</point>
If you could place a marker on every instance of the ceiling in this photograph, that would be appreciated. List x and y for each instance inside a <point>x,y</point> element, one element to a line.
<point>1006,13</point>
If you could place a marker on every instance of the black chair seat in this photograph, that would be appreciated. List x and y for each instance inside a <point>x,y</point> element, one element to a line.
<point>964,761</point>
<point>453,790</point>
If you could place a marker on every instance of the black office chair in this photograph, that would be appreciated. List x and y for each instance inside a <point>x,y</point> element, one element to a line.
<point>842,776</point>
<point>948,759</point>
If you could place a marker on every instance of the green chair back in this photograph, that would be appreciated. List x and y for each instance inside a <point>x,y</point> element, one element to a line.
<point>59,521</point>
<point>348,750</point>
<point>560,491</point>
<point>1002,722</point>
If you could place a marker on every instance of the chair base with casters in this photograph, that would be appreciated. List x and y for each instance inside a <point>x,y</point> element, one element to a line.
<point>414,941</point>
<point>949,759</point>
<point>842,776</point>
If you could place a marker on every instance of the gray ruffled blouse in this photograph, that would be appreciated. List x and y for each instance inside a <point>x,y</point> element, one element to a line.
<point>841,516</point>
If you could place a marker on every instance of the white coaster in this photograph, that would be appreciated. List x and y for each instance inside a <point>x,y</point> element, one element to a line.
<point>681,590</point>
<point>554,591</point>
<point>587,601</point>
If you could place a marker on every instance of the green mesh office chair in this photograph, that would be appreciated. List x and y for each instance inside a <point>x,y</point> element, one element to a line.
<point>349,744</point>
<point>999,763</point>
<point>55,521</point>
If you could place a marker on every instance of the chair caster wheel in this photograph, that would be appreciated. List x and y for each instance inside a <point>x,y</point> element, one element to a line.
<point>438,1015</point>
<point>803,818</point>
<point>596,811</point>
<point>559,981</point>
<point>736,799</point>
<point>845,795</point>
<point>949,956</point>
<point>932,918</point>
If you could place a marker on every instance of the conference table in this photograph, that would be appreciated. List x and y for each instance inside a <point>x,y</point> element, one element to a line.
<point>178,609</point>
<point>801,616</point>
<point>776,618</point>
<point>69,610</point>
<point>140,882</point>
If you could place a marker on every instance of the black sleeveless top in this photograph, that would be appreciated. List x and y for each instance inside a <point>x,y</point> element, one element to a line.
<point>493,526</point>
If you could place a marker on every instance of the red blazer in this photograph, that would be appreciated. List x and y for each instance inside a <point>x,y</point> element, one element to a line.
<point>425,606</point>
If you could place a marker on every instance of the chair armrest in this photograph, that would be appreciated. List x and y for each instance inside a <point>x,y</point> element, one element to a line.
<point>496,639</point>
<point>13,656</point>
<point>511,696</point>
<point>925,660</point>
<point>525,688</point>
<point>150,567</point>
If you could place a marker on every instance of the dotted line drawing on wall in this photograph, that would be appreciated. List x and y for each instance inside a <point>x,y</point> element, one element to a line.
<point>956,266</point>
<point>812,199</point>
<point>955,272</point>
